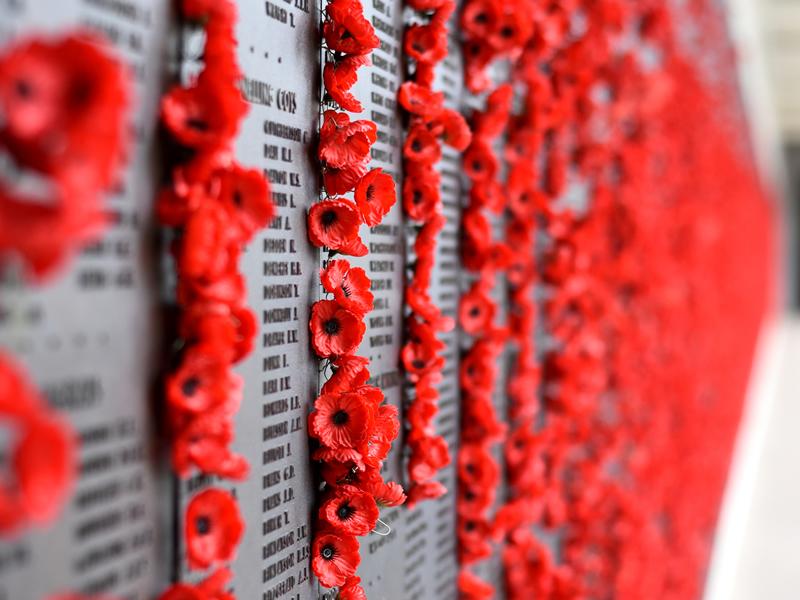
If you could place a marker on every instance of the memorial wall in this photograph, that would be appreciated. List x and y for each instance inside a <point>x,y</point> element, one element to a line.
<point>264,264</point>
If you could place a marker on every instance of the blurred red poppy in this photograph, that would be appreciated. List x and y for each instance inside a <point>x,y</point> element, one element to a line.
<point>212,528</point>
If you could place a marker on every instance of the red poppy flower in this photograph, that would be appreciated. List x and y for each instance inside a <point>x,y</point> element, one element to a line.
<point>219,329</point>
<point>419,100</point>
<point>62,102</point>
<point>473,539</point>
<point>455,132</point>
<point>349,373</point>
<point>426,490</point>
<point>334,330</point>
<point>245,194</point>
<point>426,43</point>
<point>204,382</point>
<point>227,287</point>
<point>334,223</point>
<point>421,413</point>
<point>428,455</point>
<point>479,419</point>
<point>476,310</point>
<point>477,369</point>
<point>375,196</point>
<point>384,432</point>
<point>342,420</point>
<point>510,33</point>
<point>354,247</point>
<point>479,18</point>
<point>524,199</point>
<point>347,30</point>
<point>421,146</point>
<point>350,511</point>
<point>480,163</point>
<point>340,76</point>
<point>352,590</point>
<point>421,197</point>
<point>334,558</point>
<point>205,115</point>
<point>475,499</point>
<point>344,179</point>
<point>489,194</point>
<point>342,142</point>
<point>208,249</point>
<point>477,466</point>
<point>44,464</point>
<point>420,353</point>
<point>213,528</point>
<point>472,587</point>
<point>203,442</point>
<point>350,286</point>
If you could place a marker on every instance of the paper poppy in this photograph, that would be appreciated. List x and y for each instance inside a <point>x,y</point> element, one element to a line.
<point>421,197</point>
<point>333,222</point>
<point>342,142</point>
<point>344,179</point>
<point>350,511</point>
<point>208,248</point>
<point>428,455</point>
<point>350,286</point>
<point>476,310</point>
<point>213,528</point>
<point>451,126</point>
<point>334,330</point>
<point>479,18</point>
<point>375,195</point>
<point>334,558</point>
<point>203,442</point>
<point>204,116</point>
<point>477,466</point>
<point>421,146</point>
<point>347,30</point>
<point>420,100</point>
<point>338,77</point>
<point>480,163</point>
<point>245,194</point>
<point>349,373</point>
<point>63,102</point>
<point>341,420</point>
<point>426,43</point>
<point>204,382</point>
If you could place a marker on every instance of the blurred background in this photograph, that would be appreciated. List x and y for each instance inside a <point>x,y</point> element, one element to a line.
<point>757,552</point>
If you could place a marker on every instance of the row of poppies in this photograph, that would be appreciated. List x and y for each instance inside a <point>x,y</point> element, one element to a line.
<point>351,423</point>
<point>430,123</point>
<point>216,206</point>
